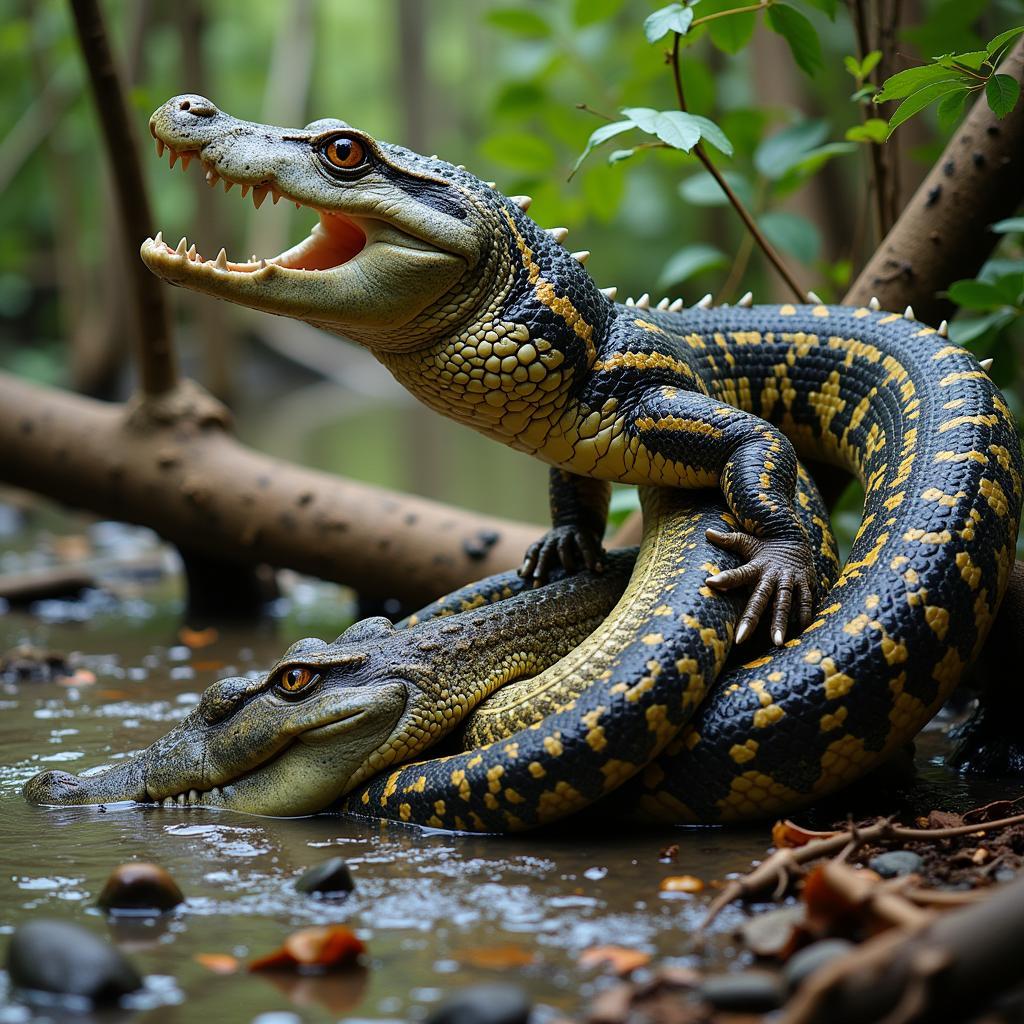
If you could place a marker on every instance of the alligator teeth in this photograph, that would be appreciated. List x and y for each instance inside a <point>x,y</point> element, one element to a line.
<point>191,254</point>
<point>245,190</point>
<point>159,240</point>
<point>814,297</point>
<point>706,302</point>
<point>181,799</point>
<point>559,234</point>
<point>259,195</point>
<point>298,206</point>
<point>986,364</point>
<point>874,304</point>
<point>582,256</point>
<point>675,305</point>
<point>908,313</point>
<point>228,184</point>
<point>630,302</point>
<point>159,147</point>
<point>275,196</point>
<point>172,156</point>
<point>460,167</point>
<point>212,177</point>
<point>182,247</point>
<point>491,184</point>
<point>523,202</point>
<point>263,264</point>
<point>747,300</point>
<point>644,302</point>
<point>663,303</point>
<point>186,159</point>
<point>193,796</point>
<point>221,262</point>
<point>610,293</point>
<point>943,330</point>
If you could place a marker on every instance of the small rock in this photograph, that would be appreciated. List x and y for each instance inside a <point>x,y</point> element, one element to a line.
<point>682,883</point>
<point>896,863</point>
<point>62,958</point>
<point>331,878</point>
<point>769,934</point>
<point>484,1004</point>
<point>1005,875</point>
<point>803,964</point>
<point>140,888</point>
<point>745,992</point>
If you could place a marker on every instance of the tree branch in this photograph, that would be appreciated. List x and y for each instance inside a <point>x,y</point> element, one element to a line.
<point>943,235</point>
<point>169,464</point>
<point>156,357</point>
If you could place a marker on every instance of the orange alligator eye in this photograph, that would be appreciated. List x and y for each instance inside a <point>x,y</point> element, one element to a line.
<point>296,678</point>
<point>345,153</point>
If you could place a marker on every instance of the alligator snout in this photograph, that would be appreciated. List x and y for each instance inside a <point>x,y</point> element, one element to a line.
<point>55,787</point>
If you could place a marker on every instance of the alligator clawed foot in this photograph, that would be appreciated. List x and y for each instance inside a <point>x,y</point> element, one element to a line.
<point>779,573</point>
<point>569,547</point>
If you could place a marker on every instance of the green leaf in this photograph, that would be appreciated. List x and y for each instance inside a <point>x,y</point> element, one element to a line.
<point>967,329</point>
<point>673,127</point>
<point>828,6</point>
<point>1002,93</point>
<point>904,83</point>
<point>972,59</point>
<point>702,190</point>
<point>799,34</point>
<point>522,151</point>
<point>710,132</point>
<point>519,21</point>
<point>600,135</point>
<point>673,18</point>
<point>951,109</point>
<point>977,294</point>
<point>732,33</point>
<point>870,62</point>
<point>917,101</point>
<point>1008,226</point>
<point>616,156</point>
<point>872,130</point>
<point>1003,38</point>
<point>785,149</point>
<point>587,12</point>
<point>813,161</point>
<point>690,260</point>
<point>792,234</point>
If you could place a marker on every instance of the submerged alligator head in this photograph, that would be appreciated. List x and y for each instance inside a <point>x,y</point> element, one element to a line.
<point>406,250</point>
<point>326,716</point>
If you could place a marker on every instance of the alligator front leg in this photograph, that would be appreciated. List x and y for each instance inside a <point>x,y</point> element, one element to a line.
<point>579,513</point>
<point>704,441</point>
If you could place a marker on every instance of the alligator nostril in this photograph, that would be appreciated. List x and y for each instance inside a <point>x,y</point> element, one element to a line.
<point>197,107</point>
<point>184,105</point>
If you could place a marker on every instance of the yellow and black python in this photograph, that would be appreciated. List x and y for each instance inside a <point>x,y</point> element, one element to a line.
<point>486,317</point>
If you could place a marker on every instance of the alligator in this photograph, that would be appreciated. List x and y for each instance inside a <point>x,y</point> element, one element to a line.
<point>488,318</point>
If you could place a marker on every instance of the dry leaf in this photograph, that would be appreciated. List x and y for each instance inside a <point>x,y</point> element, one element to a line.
<point>682,883</point>
<point>330,946</point>
<point>219,963</point>
<point>786,835</point>
<point>498,958</point>
<point>197,637</point>
<point>620,959</point>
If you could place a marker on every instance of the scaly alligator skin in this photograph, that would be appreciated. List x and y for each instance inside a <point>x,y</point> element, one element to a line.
<point>486,318</point>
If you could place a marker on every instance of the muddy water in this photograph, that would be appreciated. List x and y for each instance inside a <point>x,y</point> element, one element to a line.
<point>437,911</point>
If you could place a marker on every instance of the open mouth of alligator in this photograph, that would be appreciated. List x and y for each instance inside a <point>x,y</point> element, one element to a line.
<point>333,242</point>
<point>221,794</point>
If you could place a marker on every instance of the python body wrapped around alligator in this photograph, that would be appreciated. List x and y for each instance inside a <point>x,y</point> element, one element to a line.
<point>488,319</point>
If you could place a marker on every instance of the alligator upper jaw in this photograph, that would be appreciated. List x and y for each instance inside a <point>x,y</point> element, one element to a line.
<point>132,780</point>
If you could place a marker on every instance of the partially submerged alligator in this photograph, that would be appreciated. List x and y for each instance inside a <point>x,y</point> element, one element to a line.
<point>485,317</point>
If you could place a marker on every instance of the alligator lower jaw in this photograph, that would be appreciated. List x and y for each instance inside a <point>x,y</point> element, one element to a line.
<point>214,797</point>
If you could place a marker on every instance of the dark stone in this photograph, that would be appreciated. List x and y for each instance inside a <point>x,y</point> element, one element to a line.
<point>802,965</point>
<point>745,992</point>
<point>332,878</point>
<point>62,958</point>
<point>896,863</point>
<point>484,1004</point>
<point>140,888</point>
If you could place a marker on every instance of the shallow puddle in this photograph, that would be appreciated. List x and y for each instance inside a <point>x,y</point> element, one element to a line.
<point>436,910</point>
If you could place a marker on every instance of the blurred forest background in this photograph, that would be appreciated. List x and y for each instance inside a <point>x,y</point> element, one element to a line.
<point>493,85</point>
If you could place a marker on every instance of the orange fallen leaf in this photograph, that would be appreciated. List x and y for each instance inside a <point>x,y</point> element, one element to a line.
<point>209,666</point>
<point>681,883</point>
<point>330,946</point>
<point>219,963</point>
<point>620,959</point>
<point>498,958</point>
<point>80,677</point>
<point>787,835</point>
<point>197,637</point>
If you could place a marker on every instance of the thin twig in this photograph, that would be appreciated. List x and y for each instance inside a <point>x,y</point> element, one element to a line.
<point>737,204</point>
<point>156,357</point>
<point>784,860</point>
<point>752,8</point>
